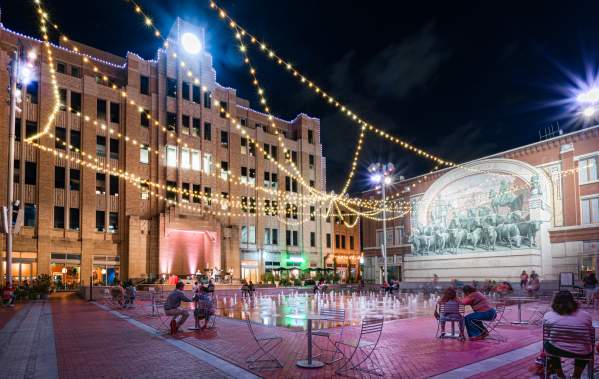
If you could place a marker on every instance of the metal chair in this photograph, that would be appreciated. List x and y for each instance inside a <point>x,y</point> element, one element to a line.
<point>206,309</point>
<point>336,316</point>
<point>363,348</point>
<point>556,334</point>
<point>537,314</point>
<point>490,326</point>
<point>266,343</point>
<point>456,314</point>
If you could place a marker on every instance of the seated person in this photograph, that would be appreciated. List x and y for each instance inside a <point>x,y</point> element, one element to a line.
<point>172,304</point>
<point>449,310</point>
<point>504,288</point>
<point>130,293</point>
<point>482,311</point>
<point>204,308</point>
<point>564,312</point>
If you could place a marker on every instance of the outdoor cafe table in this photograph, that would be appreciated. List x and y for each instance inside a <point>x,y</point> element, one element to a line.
<point>519,300</point>
<point>309,362</point>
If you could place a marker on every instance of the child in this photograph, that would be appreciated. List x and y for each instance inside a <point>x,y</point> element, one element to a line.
<point>449,310</point>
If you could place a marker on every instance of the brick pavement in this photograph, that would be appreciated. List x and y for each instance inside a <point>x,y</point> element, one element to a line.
<point>92,343</point>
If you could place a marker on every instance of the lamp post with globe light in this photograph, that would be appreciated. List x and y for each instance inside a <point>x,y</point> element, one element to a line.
<point>590,102</point>
<point>382,174</point>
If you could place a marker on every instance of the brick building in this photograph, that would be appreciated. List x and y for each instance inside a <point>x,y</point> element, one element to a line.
<point>346,248</point>
<point>535,207</point>
<point>82,223</point>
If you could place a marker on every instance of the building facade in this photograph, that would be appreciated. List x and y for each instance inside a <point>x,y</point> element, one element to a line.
<point>531,208</point>
<point>346,248</point>
<point>223,203</point>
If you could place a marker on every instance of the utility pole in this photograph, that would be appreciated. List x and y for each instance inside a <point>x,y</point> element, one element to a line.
<point>14,72</point>
<point>384,244</point>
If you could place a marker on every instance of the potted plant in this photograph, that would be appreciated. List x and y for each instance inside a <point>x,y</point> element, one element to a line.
<point>42,286</point>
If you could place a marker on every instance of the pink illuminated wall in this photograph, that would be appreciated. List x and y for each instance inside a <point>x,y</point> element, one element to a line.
<point>184,252</point>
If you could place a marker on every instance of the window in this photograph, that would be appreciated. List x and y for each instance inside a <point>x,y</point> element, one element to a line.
<point>74,179</point>
<point>100,221</point>
<point>275,236</point>
<point>291,237</point>
<point>590,210</point>
<point>185,91</point>
<point>195,94</point>
<point>195,160</point>
<point>100,146</point>
<point>30,129</point>
<point>207,163</point>
<point>144,85</point>
<point>266,151</point>
<point>59,177</point>
<point>244,204</point>
<point>30,215</point>
<point>75,72</point>
<point>171,156</point>
<point>17,172</point>
<point>224,170</point>
<point>76,139</point>
<point>114,148</point>
<point>312,239</point>
<point>328,240</point>
<point>252,176</point>
<point>208,99</point>
<point>195,127</point>
<point>144,154</point>
<point>588,169</point>
<point>312,213</point>
<point>248,234</point>
<point>61,68</point>
<point>32,90</point>
<point>115,112</point>
<point>337,241</point>
<point>311,183</point>
<point>273,153</point>
<point>274,181</point>
<point>243,121</point>
<point>75,102</point>
<point>310,136</point>
<point>290,184</point>
<point>113,222</point>
<point>288,237</point>
<point>17,129</point>
<point>267,240</point>
<point>379,237</point>
<point>208,195</point>
<point>171,122</point>
<point>101,109</point>
<point>294,157</point>
<point>59,217</point>
<point>171,87</point>
<point>343,242</point>
<point>185,124</point>
<point>61,137</point>
<point>185,192</point>
<point>244,145</point>
<point>311,161</point>
<point>145,191</point>
<point>30,173</point>
<point>266,179</point>
<point>145,119</point>
<point>224,107</point>
<point>74,218</point>
<point>114,185</point>
<point>207,131</point>
<point>171,194</point>
<point>224,205</point>
<point>244,174</point>
<point>100,183</point>
<point>351,242</point>
<point>224,138</point>
<point>62,94</point>
<point>196,193</point>
<point>185,158</point>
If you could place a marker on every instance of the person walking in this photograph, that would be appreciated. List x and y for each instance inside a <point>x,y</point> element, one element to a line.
<point>172,307</point>
<point>590,282</point>
<point>482,311</point>
<point>523,279</point>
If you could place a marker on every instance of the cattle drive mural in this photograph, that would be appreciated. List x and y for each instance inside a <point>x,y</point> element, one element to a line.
<point>477,213</point>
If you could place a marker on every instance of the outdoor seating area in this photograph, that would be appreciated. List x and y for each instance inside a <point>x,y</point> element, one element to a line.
<point>349,334</point>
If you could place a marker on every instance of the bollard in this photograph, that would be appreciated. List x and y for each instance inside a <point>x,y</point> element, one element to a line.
<point>91,290</point>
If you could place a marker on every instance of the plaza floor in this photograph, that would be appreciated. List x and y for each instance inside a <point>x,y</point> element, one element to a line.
<point>66,337</point>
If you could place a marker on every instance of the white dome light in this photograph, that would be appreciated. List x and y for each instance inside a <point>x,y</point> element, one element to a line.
<point>191,43</point>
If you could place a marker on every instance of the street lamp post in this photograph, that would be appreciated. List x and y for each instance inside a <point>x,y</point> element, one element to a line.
<point>382,174</point>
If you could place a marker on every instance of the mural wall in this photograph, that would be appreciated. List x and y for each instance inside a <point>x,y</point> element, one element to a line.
<point>477,213</point>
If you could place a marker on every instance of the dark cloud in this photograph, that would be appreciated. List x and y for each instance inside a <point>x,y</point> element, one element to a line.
<point>480,138</point>
<point>401,68</point>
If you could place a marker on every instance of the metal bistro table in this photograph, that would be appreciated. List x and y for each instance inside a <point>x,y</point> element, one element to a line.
<point>519,300</point>
<point>309,362</point>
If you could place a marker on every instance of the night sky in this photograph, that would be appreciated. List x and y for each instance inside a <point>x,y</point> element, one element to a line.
<point>461,79</point>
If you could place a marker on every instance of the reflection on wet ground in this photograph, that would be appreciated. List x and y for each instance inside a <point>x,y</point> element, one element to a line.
<point>272,309</point>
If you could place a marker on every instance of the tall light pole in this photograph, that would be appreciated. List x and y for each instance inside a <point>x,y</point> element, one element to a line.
<point>590,102</point>
<point>381,174</point>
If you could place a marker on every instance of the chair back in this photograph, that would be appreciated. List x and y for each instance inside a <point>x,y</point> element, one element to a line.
<point>454,307</point>
<point>107,293</point>
<point>333,314</point>
<point>575,335</point>
<point>371,325</point>
<point>499,311</point>
<point>249,324</point>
